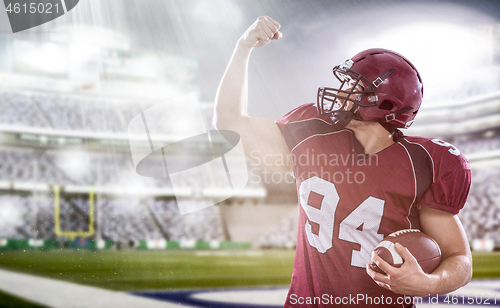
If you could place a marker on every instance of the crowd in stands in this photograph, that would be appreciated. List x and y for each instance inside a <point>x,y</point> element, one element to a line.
<point>78,113</point>
<point>18,109</point>
<point>99,169</point>
<point>478,145</point>
<point>155,219</point>
<point>481,214</point>
<point>283,234</point>
<point>63,112</point>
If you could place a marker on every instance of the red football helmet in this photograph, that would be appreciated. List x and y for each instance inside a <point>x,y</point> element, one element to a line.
<point>383,86</point>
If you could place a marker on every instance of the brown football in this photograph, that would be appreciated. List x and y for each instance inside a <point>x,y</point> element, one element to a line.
<point>423,247</point>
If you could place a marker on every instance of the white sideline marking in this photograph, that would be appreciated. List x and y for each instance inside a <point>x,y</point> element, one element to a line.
<point>61,294</point>
<point>275,297</point>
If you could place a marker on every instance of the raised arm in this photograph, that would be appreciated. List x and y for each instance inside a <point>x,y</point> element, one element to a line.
<point>261,138</point>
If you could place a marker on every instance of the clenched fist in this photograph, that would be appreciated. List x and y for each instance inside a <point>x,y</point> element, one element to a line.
<point>261,32</point>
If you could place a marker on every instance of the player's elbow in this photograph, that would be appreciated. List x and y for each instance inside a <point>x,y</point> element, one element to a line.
<point>466,264</point>
<point>222,121</point>
<point>463,270</point>
<point>467,269</point>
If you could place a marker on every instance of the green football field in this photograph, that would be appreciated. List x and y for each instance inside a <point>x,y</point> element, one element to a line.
<point>147,270</point>
<point>169,270</point>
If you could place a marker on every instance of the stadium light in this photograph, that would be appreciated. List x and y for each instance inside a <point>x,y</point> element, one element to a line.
<point>76,163</point>
<point>48,57</point>
<point>95,35</point>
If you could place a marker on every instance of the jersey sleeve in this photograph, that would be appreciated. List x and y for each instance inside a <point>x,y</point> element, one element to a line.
<point>301,123</point>
<point>302,112</point>
<point>450,188</point>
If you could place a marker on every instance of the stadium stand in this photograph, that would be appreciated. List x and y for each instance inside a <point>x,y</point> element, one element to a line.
<point>478,145</point>
<point>18,109</point>
<point>120,219</point>
<point>66,112</point>
<point>34,166</point>
<point>134,220</point>
<point>481,214</point>
<point>283,234</point>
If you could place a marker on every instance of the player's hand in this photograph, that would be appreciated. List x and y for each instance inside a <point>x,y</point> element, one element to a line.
<point>261,32</point>
<point>409,279</point>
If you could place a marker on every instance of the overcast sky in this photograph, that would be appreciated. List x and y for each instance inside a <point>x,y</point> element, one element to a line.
<point>317,35</point>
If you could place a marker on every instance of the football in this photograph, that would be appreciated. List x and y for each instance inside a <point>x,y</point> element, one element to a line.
<point>421,246</point>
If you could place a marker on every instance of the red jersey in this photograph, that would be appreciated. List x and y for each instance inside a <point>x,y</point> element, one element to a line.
<point>350,201</point>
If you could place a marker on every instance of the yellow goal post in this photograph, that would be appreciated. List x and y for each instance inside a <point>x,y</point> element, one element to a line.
<point>57,218</point>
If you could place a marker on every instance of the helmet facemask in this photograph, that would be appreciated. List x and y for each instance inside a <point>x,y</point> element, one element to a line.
<point>354,87</point>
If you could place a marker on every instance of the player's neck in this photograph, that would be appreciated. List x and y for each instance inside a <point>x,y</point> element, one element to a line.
<point>372,136</point>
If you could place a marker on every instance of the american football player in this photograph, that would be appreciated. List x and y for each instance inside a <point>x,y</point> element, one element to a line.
<point>363,178</point>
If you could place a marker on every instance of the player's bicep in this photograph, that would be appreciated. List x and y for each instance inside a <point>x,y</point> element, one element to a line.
<point>446,229</point>
<point>264,143</point>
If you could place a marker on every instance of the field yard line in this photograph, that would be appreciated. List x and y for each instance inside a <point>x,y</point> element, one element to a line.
<point>61,294</point>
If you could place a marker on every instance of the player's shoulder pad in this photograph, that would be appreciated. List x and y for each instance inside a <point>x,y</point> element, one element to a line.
<point>443,154</point>
<point>302,123</point>
<point>303,112</point>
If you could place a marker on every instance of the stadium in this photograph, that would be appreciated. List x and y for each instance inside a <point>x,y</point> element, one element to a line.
<point>81,225</point>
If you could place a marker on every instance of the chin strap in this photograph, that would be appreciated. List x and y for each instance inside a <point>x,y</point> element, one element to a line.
<point>341,118</point>
<point>381,79</point>
<point>389,117</point>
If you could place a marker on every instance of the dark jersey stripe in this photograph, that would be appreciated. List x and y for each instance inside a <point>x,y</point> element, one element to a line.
<point>422,163</point>
<point>296,132</point>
